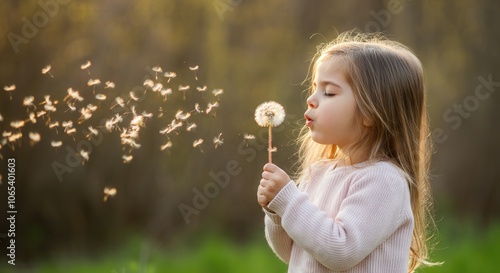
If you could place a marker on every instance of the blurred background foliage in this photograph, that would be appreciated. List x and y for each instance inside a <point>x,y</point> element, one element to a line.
<point>255,51</point>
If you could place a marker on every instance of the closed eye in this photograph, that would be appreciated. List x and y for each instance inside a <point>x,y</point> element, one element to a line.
<point>328,94</point>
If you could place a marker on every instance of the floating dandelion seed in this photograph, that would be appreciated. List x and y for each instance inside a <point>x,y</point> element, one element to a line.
<point>197,108</point>
<point>201,89</point>
<point>100,97</point>
<point>194,69</point>
<point>86,66</point>
<point>73,95</point>
<point>93,83</point>
<point>218,141</point>
<point>217,92</point>
<point>16,124</point>
<point>127,158</point>
<point>119,101</point>
<point>32,117</point>
<point>191,127</point>
<point>183,88</point>
<point>71,131</point>
<point>269,114</point>
<point>54,124</point>
<point>46,70</point>
<point>6,133</point>
<point>56,144</point>
<point>29,102</point>
<point>165,93</point>
<point>109,192</point>
<point>85,155</point>
<point>170,75</point>
<point>148,83</point>
<point>91,107</point>
<point>34,137</point>
<point>9,89</point>
<point>40,113</point>
<point>15,137</point>
<point>166,145</point>
<point>92,131</point>
<point>1,118</point>
<point>71,107</point>
<point>210,106</point>
<point>109,84</point>
<point>197,143</point>
<point>248,137</point>
<point>132,96</point>
<point>180,115</point>
<point>157,70</point>
<point>157,87</point>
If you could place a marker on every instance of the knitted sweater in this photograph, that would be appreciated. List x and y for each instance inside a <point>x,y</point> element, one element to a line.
<point>344,219</point>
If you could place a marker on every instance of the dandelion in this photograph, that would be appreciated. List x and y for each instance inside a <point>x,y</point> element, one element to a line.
<point>86,66</point>
<point>46,70</point>
<point>109,192</point>
<point>9,88</point>
<point>166,145</point>
<point>100,97</point>
<point>183,88</point>
<point>269,114</point>
<point>157,70</point>
<point>56,144</point>
<point>170,75</point>
<point>218,141</point>
<point>194,69</point>
<point>109,84</point>
<point>127,158</point>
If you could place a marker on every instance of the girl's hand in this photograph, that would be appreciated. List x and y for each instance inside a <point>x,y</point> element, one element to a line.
<point>273,180</point>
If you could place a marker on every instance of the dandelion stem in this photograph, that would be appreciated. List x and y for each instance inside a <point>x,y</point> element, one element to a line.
<point>270,144</point>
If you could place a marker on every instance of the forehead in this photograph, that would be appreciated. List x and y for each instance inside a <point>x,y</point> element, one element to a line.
<point>329,67</point>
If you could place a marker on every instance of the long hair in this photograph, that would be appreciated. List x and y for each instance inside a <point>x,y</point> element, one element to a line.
<point>388,85</point>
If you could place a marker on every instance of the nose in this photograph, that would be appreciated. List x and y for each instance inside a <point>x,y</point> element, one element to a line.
<point>311,101</point>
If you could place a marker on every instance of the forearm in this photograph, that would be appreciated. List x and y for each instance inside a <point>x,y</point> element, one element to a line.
<point>276,237</point>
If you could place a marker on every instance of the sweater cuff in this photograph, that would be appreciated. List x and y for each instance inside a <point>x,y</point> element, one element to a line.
<point>286,195</point>
<point>275,218</point>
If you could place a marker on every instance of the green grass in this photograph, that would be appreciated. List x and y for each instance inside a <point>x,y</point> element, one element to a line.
<point>463,248</point>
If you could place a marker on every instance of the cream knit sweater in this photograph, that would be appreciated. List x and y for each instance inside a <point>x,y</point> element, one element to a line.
<point>344,219</point>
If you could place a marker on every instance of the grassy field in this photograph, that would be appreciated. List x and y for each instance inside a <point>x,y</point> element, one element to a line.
<point>462,248</point>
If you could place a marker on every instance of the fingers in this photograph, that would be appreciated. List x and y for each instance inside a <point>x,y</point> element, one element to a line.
<point>270,167</point>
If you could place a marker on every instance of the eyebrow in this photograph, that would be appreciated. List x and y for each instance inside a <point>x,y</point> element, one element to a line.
<point>330,83</point>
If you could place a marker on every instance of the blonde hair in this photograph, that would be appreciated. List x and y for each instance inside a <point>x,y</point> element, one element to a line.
<point>388,85</point>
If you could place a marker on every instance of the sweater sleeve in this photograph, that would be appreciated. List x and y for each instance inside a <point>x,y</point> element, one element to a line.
<point>370,212</point>
<point>276,236</point>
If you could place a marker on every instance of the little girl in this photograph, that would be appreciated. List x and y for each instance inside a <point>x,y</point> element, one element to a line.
<point>362,201</point>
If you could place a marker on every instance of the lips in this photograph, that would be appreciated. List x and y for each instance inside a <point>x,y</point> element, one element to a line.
<point>309,120</point>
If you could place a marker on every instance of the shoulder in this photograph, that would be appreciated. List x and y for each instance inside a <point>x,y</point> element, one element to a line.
<point>382,175</point>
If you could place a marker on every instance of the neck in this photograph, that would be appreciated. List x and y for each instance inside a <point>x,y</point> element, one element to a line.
<point>351,157</point>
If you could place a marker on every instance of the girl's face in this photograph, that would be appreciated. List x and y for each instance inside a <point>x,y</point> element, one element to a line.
<point>332,106</point>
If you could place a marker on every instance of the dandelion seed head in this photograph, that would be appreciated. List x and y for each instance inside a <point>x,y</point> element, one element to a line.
<point>197,142</point>
<point>109,84</point>
<point>46,69</point>
<point>166,145</point>
<point>34,136</point>
<point>16,124</point>
<point>56,144</point>
<point>269,114</point>
<point>217,92</point>
<point>86,65</point>
<point>29,101</point>
<point>100,97</point>
<point>9,88</point>
<point>248,137</point>
<point>93,82</point>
